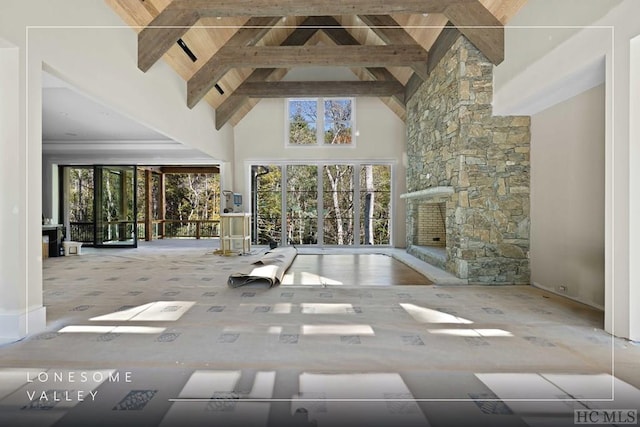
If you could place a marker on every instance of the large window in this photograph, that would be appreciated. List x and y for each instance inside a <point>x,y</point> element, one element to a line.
<point>322,204</point>
<point>375,204</point>
<point>266,189</point>
<point>338,204</point>
<point>322,121</point>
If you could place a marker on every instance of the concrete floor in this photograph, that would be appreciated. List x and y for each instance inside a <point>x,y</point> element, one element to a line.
<point>153,336</point>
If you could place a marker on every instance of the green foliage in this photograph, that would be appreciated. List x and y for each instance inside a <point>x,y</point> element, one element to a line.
<point>302,203</point>
<point>269,220</point>
<point>301,131</point>
<point>192,196</point>
<point>80,194</point>
<point>338,216</point>
<point>337,121</point>
<point>187,196</point>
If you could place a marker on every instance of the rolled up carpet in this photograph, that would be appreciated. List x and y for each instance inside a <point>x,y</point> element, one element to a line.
<point>268,271</point>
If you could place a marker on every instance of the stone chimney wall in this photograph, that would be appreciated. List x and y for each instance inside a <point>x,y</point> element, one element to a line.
<point>453,140</point>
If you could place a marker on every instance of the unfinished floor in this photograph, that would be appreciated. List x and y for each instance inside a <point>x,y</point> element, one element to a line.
<point>153,336</point>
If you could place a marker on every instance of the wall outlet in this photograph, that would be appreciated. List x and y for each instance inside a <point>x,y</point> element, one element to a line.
<point>562,288</point>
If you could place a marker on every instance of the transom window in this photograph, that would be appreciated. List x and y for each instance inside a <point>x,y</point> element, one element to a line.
<point>320,121</point>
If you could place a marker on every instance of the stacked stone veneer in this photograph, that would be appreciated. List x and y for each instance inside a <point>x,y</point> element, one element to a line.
<point>454,140</point>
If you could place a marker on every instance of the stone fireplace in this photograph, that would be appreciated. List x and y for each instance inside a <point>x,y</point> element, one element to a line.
<point>468,172</point>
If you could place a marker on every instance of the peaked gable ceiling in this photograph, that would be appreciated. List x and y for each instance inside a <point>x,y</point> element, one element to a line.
<point>232,53</point>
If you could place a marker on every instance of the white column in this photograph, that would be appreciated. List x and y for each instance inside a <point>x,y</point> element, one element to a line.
<point>18,315</point>
<point>634,191</point>
<point>622,275</point>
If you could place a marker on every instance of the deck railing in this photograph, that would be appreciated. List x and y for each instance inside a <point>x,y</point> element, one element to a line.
<point>162,229</point>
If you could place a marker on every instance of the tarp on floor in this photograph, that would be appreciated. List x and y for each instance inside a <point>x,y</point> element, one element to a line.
<point>268,271</point>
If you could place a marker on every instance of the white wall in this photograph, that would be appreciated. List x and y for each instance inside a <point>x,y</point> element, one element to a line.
<point>567,197</point>
<point>542,25</point>
<point>260,138</point>
<point>560,74</point>
<point>101,62</point>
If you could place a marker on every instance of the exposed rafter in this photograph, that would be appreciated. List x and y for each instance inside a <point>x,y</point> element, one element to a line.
<point>301,56</point>
<point>441,46</point>
<point>482,29</point>
<point>203,80</point>
<point>288,89</point>
<point>313,7</point>
<point>156,39</point>
<point>334,30</point>
<point>385,27</point>
<point>176,19</point>
<point>342,37</point>
<point>151,50</point>
<point>393,71</point>
<point>329,56</point>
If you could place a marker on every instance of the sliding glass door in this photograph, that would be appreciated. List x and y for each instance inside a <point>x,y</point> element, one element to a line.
<point>302,204</point>
<point>115,205</point>
<point>322,204</point>
<point>338,219</point>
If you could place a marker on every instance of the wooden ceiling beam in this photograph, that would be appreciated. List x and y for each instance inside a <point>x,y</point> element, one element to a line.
<point>300,36</point>
<point>162,33</point>
<point>330,56</point>
<point>296,56</point>
<point>253,31</point>
<point>250,33</point>
<point>190,169</point>
<point>479,25</point>
<point>214,8</point>
<point>385,27</point>
<point>232,104</point>
<point>440,47</point>
<point>340,36</point>
<point>287,89</point>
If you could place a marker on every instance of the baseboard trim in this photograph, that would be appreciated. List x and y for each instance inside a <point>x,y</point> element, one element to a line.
<point>16,326</point>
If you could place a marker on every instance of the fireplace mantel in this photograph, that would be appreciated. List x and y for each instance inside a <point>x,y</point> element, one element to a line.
<point>433,193</point>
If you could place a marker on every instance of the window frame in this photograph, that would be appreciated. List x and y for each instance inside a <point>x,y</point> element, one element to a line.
<point>357,164</point>
<point>320,122</point>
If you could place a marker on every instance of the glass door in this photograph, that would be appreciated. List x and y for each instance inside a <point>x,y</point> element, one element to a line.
<point>266,205</point>
<point>338,218</point>
<point>115,205</point>
<point>302,204</point>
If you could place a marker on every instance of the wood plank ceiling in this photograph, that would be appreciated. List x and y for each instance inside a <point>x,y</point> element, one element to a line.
<point>232,53</point>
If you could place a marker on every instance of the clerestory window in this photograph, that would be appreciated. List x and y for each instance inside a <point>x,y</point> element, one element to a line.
<point>320,121</point>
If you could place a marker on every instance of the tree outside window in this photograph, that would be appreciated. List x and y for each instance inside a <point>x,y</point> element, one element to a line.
<point>320,121</point>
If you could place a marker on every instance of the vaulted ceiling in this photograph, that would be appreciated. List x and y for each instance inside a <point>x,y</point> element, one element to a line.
<point>232,53</point>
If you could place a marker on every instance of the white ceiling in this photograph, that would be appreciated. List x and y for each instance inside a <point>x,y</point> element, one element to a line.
<point>77,129</point>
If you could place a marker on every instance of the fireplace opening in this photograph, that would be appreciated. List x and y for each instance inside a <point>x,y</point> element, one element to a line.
<point>429,236</point>
<point>431,225</point>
